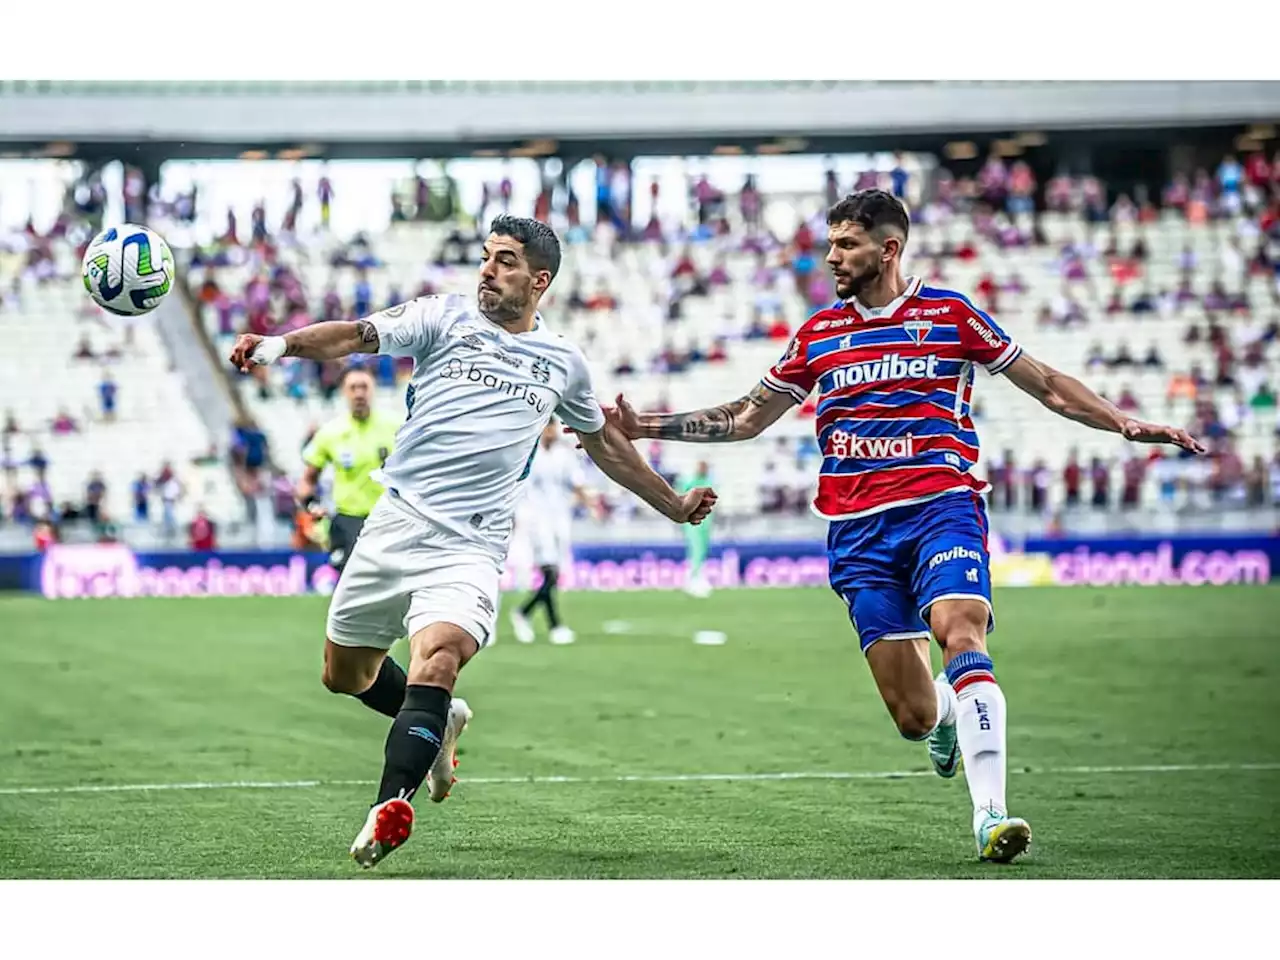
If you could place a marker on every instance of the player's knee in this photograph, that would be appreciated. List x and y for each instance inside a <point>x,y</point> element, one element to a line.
<point>915,721</point>
<point>959,627</point>
<point>438,669</point>
<point>338,680</point>
<point>438,657</point>
<point>343,676</point>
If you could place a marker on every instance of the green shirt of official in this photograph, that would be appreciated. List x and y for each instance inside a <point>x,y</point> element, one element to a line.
<point>355,448</point>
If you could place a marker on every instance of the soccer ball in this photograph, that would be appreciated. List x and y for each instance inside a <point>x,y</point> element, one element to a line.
<point>128,270</point>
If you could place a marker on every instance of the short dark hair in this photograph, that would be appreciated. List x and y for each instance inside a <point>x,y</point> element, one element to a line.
<point>871,210</point>
<point>356,367</point>
<point>541,245</point>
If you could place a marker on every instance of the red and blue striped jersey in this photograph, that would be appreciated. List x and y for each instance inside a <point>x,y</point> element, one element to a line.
<point>894,388</point>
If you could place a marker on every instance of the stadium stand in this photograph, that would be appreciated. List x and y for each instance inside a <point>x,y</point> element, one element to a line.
<point>1169,310</point>
<point>92,404</point>
<point>1109,294</point>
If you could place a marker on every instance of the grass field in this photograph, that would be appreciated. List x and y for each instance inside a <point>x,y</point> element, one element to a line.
<point>1144,743</point>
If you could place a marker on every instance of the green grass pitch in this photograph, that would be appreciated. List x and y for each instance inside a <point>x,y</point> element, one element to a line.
<point>107,693</point>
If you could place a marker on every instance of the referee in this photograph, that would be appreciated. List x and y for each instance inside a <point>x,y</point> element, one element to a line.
<point>355,444</point>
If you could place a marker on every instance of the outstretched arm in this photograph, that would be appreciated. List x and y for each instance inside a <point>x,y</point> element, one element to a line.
<point>739,419</point>
<point>328,340</point>
<point>614,454</point>
<point>1068,397</point>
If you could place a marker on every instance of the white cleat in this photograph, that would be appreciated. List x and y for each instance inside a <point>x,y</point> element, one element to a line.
<point>440,778</point>
<point>522,627</point>
<point>699,588</point>
<point>1001,838</point>
<point>387,827</point>
<point>562,635</point>
<point>944,745</point>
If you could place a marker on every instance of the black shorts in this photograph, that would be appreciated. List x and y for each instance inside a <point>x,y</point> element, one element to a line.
<point>343,531</point>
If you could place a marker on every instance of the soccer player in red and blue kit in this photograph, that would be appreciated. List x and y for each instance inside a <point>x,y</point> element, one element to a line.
<point>893,361</point>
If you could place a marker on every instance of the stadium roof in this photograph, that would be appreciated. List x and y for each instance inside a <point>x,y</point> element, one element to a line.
<point>459,117</point>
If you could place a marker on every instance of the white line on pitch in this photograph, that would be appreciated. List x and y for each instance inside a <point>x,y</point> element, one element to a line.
<point>629,778</point>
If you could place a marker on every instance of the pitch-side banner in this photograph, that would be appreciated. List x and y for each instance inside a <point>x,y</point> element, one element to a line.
<point>114,570</point>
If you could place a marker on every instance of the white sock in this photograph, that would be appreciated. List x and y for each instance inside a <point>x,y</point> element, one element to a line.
<point>980,728</point>
<point>947,704</point>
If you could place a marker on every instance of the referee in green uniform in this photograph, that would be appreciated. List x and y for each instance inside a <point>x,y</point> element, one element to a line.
<point>355,445</point>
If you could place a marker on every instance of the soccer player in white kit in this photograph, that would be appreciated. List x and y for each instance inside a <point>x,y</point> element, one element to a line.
<point>488,377</point>
<point>555,483</point>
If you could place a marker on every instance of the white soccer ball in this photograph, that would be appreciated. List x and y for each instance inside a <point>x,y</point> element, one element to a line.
<point>128,270</point>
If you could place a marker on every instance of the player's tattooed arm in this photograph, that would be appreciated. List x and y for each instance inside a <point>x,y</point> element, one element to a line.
<point>331,340</point>
<point>740,419</point>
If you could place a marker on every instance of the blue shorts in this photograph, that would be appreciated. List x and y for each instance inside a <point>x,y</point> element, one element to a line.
<point>891,566</point>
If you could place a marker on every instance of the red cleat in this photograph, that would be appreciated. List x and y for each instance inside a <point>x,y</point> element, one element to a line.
<point>388,826</point>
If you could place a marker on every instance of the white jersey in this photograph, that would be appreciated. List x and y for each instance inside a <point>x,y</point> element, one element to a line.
<point>554,474</point>
<point>478,402</point>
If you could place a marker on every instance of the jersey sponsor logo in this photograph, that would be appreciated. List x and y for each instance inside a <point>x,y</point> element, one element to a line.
<point>456,370</point>
<point>853,447</point>
<point>955,553</point>
<point>508,358</point>
<point>836,324</point>
<point>927,312</point>
<point>918,330</point>
<point>471,341</point>
<point>989,336</point>
<point>891,366</point>
<point>408,400</point>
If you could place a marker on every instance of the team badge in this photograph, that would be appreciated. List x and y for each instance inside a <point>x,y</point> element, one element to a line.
<point>541,370</point>
<point>918,330</point>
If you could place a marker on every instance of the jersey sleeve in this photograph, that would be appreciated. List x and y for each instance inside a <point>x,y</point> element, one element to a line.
<point>985,342</point>
<point>790,375</point>
<point>579,407</point>
<point>410,329</point>
<point>316,453</point>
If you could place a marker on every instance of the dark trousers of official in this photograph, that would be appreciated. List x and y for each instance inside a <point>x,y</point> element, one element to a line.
<point>343,531</point>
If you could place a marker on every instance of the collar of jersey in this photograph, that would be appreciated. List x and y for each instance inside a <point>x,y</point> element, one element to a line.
<point>536,328</point>
<point>889,309</point>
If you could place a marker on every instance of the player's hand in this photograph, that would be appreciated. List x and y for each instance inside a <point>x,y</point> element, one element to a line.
<point>696,506</point>
<point>623,416</point>
<point>253,350</point>
<point>1140,431</point>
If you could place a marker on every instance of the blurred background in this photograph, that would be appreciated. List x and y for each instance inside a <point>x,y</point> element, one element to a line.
<point>1128,233</point>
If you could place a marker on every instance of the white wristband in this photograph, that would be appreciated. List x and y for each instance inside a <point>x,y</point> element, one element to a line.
<point>269,350</point>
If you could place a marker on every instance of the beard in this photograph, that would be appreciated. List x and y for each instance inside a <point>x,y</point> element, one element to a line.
<point>851,286</point>
<point>502,308</point>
